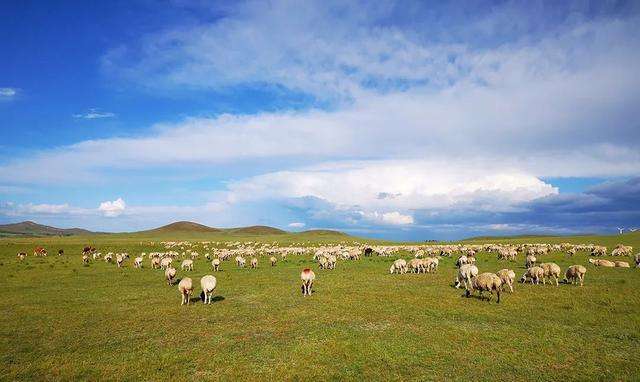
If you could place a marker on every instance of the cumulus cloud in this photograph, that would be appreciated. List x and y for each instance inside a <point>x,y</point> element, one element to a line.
<point>94,114</point>
<point>8,93</point>
<point>112,208</point>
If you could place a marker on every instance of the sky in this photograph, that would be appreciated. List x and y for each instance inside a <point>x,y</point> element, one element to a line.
<point>391,119</point>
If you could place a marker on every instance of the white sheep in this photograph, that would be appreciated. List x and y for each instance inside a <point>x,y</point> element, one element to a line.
<point>170,274</point>
<point>602,263</point>
<point>216,264</point>
<point>487,281</point>
<point>155,262</point>
<point>185,286</point>
<point>254,263</point>
<point>85,259</point>
<point>166,262</point>
<point>399,266</point>
<point>137,262</point>
<point>534,274</point>
<point>308,277</point>
<point>208,284</point>
<point>466,273</point>
<point>530,261</point>
<point>551,270</point>
<point>622,264</point>
<point>508,278</point>
<point>574,274</point>
<point>273,261</point>
<point>187,265</point>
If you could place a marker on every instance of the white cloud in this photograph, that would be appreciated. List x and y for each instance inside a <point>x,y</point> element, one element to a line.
<point>8,93</point>
<point>94,114</point>
<point>112,208</point>
<point>33,209</point>
<point>389,218</point>
<point>297,225</point>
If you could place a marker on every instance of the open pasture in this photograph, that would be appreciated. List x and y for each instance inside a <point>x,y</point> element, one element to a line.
<point>63,320</point>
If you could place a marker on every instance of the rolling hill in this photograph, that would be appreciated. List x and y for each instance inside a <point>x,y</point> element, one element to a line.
<point>29,228</point>
<point>182,226</point>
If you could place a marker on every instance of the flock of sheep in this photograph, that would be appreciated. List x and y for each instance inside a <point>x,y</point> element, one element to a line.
<point>426,259</point>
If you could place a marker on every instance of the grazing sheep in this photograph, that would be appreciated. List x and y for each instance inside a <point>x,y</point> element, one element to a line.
<point>187,265</point>
<point>85,259</point>
<point>534,274</point>
<point>571,251</point>
<point>240,261</point>
<point>574,274</point>
<point>622,264</point>
<point>254,263</point>
<point>331,261</point>
<point>166,262</point>
<point>599,251</point>
<point>399,266</point>
<point>216,264</point>
<point>602,263</point>
<point>323,263</point>
<point>551,270</point>
<point>155,262</point>
<point>208,284</point>
<point>170,275</point>
<point>415,265</point>
<point>21,255</point>
<point>60,252</point>
<point>185,286</point>
<point>273,261</point>
<point>637,258</point>
<point>508,277</point>
<point>120,259</point>
<point>108,257</point>
<point>530,261</point>
<point>465,274</point>
<point>307,276</point>
<point>487,281</point>
<point>431,264</point>
<point>137,262</point>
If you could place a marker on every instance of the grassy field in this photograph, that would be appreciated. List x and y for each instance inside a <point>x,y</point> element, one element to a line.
<point>65,321</point>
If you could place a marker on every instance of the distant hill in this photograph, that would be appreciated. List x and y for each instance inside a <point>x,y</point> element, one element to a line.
<point>526,236</point>
<point>323,232</point>
<point>256,230</point>
<point>182,226</point>
<point>29,228</point>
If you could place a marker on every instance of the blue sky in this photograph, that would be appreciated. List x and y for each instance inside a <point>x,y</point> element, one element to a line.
<point>398,119</point>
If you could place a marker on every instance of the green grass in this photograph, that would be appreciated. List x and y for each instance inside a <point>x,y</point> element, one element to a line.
<point>63,321</point>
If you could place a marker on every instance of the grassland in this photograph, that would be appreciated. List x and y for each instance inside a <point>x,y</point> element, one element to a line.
<point>65,321</point>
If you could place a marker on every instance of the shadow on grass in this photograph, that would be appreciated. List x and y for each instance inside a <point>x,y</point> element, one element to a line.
<point>201,298</point>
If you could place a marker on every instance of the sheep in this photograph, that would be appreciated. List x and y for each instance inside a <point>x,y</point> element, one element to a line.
<point>166,262</point>
<point>108,257</point>
<point>530,261</point>
<point>85,259</point>
<point>431,264</point>
<point>273,261</point>
<point>187,265</point>
<point>120,259</point>
<point>637,259</point>
<point>465,274</point>
<point>534,273</point>
<point>602,263</point>
<point>155,262</point>
<point>508,277</point>
<point>170,274</point>
<point>240,261</point>
<point>574,274</point>
<point>415,265</point>
<point>60,252</point>
<point>185,286</point>
<point>254,263</point>
<point>399,266</point>
<point>571,251</point>
<point>486,282</point>
<point>599,251</point>
<point>21,256</point>
<point>307,276</point>
<point>622,264</point>
<point>208,284</point>
<point>215,263</point>
<point>137,262</point>
<point>462,260</point>
<point>331,262</point>
<point>323,263</point>
<point>551,270</point>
